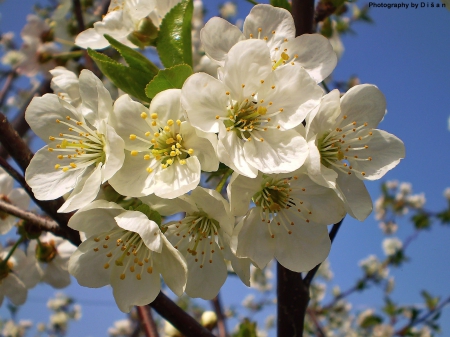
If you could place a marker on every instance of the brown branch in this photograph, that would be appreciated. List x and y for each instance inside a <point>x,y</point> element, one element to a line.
<point>147,322</point>
<point>7,86</point>
<point>221,320</point>
<point>324,9</point>
<point>20,152</point>
<point>36,221</point>
<point>19,123</point>
<point>183,322</point>
<point>316,322</point>
<point>293,298</point>
<point>303,13</point>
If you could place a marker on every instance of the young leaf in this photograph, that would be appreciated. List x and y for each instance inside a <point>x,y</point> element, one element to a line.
<point>174,39</point>
<point>281,3</point>
<point>170,78</point>
<point>132,78</point>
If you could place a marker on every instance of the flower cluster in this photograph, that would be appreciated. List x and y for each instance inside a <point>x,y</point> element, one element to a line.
<point>297,159</point>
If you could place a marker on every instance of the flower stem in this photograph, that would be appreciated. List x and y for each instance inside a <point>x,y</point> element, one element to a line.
<point>11,252</point>
<point>223,180</point>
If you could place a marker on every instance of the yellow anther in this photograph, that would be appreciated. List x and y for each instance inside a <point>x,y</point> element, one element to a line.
<point>144,115</point>
<point>179,138</point>
<point>243,85</point>
<point>173,153</point>
<point>154,115</point>
<point>122,276</point>
<point>51,138</point>
<point>68,118</point>
<point>260,30</point>
<point>363,173</point>
<point>170,122</point>
<point>169,161</point>
<point>166,128</point>
<point>106,266</point>
<point>132,137</point>
<point>344,117</point>
<point>60,156</point>
<point>284,56</point>
<point>156,134</point>
<point>261,139</point>
<point>178,122</point>
<point>134,153</point>
<point>281,109</point>
<point>50,149</point>
<point>183,162</point>
<point>147,157</point>
<point>79,123</point>
<point>149,170</point>
<point>262,110</point>
<point>65,169</point>
<point>147,134</point>
<point>57,166</point>
<point>191,151</point>
<point>273,87</point>
<point>153,123</point>
<point>138,277</point>
<point>251,36</point>
<point>217,116</point>
<point>73,165</point>
<point>153,141</point>
<point>149,270</point>
<point>227,93</point>
<point>58,121</point>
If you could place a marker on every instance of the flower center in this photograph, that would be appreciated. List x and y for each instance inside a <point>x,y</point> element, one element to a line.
<point>127,251</point>
<point>46,251</point>
<point>276,199</point>
<point>166,145</point>
<point>202,232</point>
<point>343,145</point>
<point>5,268</point>
<point>82,146</point>
<point>250,117</point>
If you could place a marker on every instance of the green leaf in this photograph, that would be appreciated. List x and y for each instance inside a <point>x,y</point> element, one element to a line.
<point>246,329</point>
<point>281,3</point>
<point>174,39</point>
<point>132,78</point>
<point>371,321</point>
<point>150,213</point>
<point>421,221</point>
<point>170,78</point>
<point>134,59</point>
<point>430,301</point>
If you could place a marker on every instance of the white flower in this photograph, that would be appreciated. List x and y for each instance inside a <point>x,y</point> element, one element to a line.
<point>203,237</point>
<point>15,196</point>
<point>228,10</point>
<point>10,284</point>
<point>289,220</point>
<point>345,148</point>
<point>121,328</point>
<point>66,85</point>
<point>374,268</point>
<point>447,193</point>
<point>126,250</point>
<point>83,151</point>
<point>391,246</point>
<point>275,26</point>
<point>165,153</point>
<point>254,109</point>
<point>47,261</point>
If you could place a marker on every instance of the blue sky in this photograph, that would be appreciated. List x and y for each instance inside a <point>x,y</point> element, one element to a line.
<point>406,54</point>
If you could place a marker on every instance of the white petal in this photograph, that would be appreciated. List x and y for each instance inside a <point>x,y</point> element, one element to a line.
<point>355,195</point>
<point>270,19</point>
<point>241,266</point>
<point>303,249</point>
<point>6,182</point>
<point>172,266</point>
<point>364,103</point>
<point>385,149</point>
<point>323,118</point>
<point>314,53</point>
<point>178,179</point>
<point>204,97</point>
<point>65,81</point>
<point>96,100</point>
<point>280,152</point>
<point>95,218</point>
<point>19,198</point>
<point>91,39</point>
<point>240,191</point>
<point>248,63</point>
<point>114,153</point>
<point>14,289</point>
<point>204,145</point>
<point>254,240</point>
<point>85,191</point>
<point>167,105</point>
<point>56,276</point>
<point>218,36</point>
<point>132,179</point>
<point>138,222</point>
<point>230,151</point>
<point>46,182</point>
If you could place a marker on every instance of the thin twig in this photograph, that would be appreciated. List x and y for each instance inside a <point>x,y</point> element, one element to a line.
<point>33,219</point>
<point>316,322</point>
<point>147,322</point>
<point>183,322</point>
<point>7,86</point>
<point>221,320</point>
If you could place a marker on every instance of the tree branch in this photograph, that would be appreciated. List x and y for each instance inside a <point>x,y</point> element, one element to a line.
<point>303,13</point>
<point>147,322</point>
<point>187,325</point>
<point>7,86</point>
<point>221,321</point>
